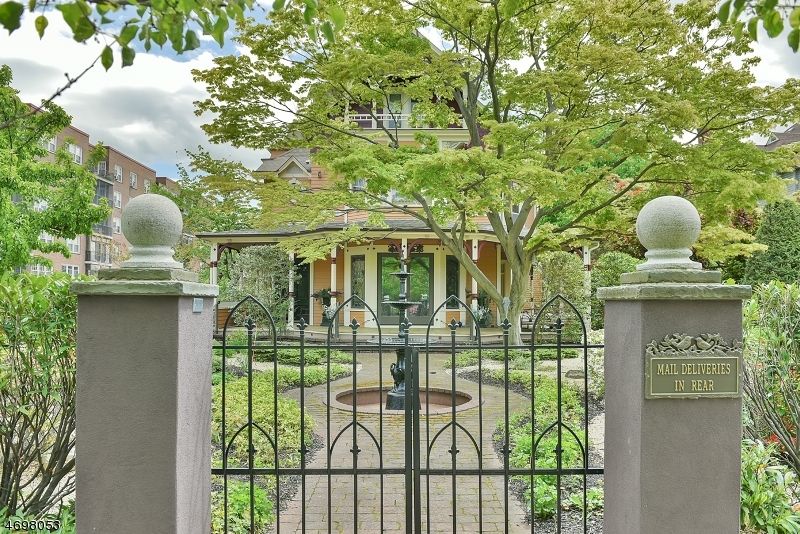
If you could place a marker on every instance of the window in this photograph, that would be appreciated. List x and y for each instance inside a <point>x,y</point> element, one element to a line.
<point>49,144</point>
<point>77,153</point>
<point>41,269</point>
<point>47,238</point>
<point>357,280</point>
<point>147,186</point>
<point>118,173</point>
<point>117,225</point>
<point>74,245</point>
<point>100,170</point>
<point>394,110</point>
<point>117,199</point>
<point>72,270</point>
<point>359,185</point>
<point>39,206</point>
<point>452,281</point>
<point>134,179</point>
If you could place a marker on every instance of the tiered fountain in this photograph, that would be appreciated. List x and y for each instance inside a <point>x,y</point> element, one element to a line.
<point>438,400</point>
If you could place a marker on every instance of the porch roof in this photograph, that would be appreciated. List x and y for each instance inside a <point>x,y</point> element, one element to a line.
<point>393,225</point>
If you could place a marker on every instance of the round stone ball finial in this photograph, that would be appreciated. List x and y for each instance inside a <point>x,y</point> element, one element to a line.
<point>668,227</point>
<point>153,225</point>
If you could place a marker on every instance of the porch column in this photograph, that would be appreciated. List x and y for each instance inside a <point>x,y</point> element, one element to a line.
<point>213,264</point>
<point>333,277</point>
<point>474,281</point>
<point>673,357</point>
<point>144,386</point>
<point>290,320</point>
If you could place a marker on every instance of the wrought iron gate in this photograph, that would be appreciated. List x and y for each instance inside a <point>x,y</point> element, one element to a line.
<point>432,468</point>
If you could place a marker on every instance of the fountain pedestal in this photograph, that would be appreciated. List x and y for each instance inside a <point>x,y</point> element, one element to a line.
<point>396,398</point>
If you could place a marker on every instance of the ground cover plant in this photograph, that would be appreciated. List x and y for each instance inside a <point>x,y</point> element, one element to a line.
<point>525,428</point>
<point>766,503</point>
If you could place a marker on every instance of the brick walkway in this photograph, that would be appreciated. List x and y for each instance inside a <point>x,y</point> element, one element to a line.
<point>357,500</point>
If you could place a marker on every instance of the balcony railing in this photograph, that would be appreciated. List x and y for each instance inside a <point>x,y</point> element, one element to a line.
<point>97,257</point>
<point>390,120</point>
<point>102,229</point>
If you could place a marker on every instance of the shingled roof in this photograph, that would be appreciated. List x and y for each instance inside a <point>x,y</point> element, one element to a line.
<point>791,135</point>
<point>276,164</point>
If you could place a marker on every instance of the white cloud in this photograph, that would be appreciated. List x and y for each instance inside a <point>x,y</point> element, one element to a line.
<point>145,110</point>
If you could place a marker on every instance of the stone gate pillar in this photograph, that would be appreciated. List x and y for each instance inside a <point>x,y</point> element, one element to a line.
<point>143,459</point>
<point>673,386</point>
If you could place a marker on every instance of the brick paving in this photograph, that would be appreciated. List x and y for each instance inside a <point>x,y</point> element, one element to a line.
<point>351,503</point>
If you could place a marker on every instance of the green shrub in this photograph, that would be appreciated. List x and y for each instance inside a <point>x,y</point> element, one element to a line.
<point>562,273</point>
<point>37,374</point>
<point>552,354</point>
<point>596,365</point>
<point>780,231</point>
<point>772,366</point>
<point>606,272</point>
<point>239,508</point>
<point>292,356</point>
<point>766,506</point>
<point>62,522</point>
<point>469,357</point>
<point>523,434</point>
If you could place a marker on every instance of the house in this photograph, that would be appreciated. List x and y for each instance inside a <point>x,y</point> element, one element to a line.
<point>364,269</point>
<point>787,137</point>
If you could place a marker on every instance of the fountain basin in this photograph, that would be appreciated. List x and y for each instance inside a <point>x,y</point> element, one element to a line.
<point>370,399</point>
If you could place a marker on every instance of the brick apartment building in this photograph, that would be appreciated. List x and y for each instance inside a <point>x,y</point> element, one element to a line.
<point>119,179</point>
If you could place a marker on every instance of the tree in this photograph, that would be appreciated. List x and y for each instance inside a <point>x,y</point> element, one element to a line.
<point>780,231</point>
<point>154,21</point>
<point>207,209</point>
<point>606,272</point>
<point>38,196</point>
<point>771,14</point>
<point>578,113</point>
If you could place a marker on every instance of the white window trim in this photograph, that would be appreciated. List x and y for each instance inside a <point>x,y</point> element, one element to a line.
<point>134,178</point>
<point>146,185</point>
<point>117,225</point>
<point>118,173</point>
<point>117,199</point>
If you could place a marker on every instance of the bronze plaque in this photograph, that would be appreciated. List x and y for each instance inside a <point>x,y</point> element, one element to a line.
<point>685,367</point>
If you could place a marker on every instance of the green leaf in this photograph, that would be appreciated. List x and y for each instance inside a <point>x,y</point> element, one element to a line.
<point>794,18</point>
<point>312,32</point>
<point>794,39</point>
<point>773,23</point>
<point>10,15</point>
<point>220,27</point>
<point>278,5</point>
<point>41,24</point>
<point>309,13</point>
<point>337,15</point>
<point>127,34</point>
<point>737,30</point>
<point>752,28</point>
<point>127,56</point>
<point>76,17</point>
<point>724,11</point>
<point>192,41</point>
<point>327,31</point>
<point>107,57</point>
<point>159,38</point>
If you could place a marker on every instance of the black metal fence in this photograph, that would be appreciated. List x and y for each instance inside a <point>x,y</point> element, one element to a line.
<point>498,441</point>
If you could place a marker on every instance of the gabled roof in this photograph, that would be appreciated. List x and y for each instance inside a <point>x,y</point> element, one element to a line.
<point>299,156</point>
<point>791,135</point>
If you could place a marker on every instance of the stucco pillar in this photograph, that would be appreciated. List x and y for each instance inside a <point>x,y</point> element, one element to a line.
<point>673,386</point>
<point>144,386</point>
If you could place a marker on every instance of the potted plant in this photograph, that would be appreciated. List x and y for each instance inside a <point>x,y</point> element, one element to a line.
<point>483,316</point>
<point>327,314</point>
<point>324,296</point>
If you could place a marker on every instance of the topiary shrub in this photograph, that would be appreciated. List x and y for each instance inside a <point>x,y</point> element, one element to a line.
<point>606,272</point>
<point>780,231</point>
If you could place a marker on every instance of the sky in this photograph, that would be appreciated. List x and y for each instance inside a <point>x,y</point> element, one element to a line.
<point>146,110</point>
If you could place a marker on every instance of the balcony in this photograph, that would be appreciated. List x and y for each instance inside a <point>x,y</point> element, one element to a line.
<point>97,257</point>
<point>391,121</point>
<point>102,229</point>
